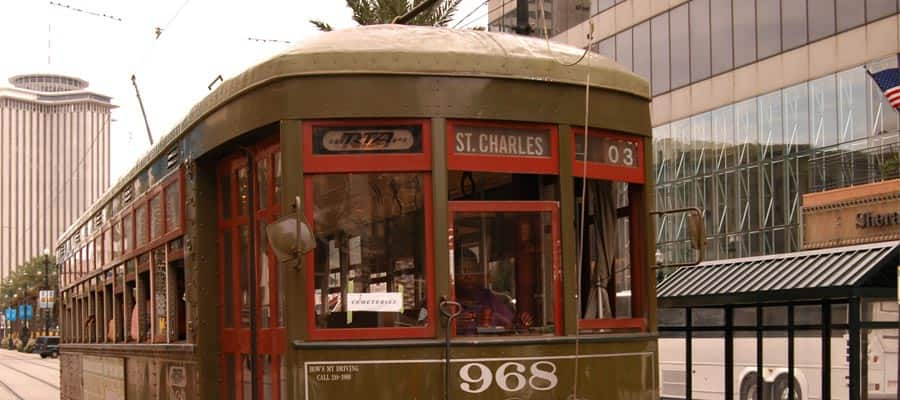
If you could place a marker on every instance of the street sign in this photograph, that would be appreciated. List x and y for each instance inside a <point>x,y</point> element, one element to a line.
<point>46,299</point>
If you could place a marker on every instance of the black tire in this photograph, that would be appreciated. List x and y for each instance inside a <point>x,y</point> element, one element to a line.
<point>781,389</point>
<point>748,387</point>
<point>43,355</point>
<point>55,354</point>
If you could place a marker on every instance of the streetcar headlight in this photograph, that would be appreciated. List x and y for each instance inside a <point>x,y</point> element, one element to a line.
<point>290,235</point>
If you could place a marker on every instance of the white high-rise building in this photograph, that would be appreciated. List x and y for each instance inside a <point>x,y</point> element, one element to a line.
<point>54,160</point>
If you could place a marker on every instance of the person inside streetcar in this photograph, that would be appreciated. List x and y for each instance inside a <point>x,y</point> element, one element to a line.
<point>484,311</point>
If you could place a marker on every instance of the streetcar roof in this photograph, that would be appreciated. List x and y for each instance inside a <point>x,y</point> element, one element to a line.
<point>402,50</point>
<point>418,50</point>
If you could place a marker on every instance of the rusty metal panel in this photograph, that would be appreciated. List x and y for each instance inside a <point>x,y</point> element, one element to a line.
<point>137,379</point>
<point>177,382</point>
<point>70,371</point>
<point>103,377</point>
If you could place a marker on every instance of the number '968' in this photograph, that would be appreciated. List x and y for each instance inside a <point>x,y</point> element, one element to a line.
<point>509,377</point>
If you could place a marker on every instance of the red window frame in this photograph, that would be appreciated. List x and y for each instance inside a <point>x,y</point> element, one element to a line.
<point>608,171</point>
<point>370,163</point>
<point>520,206</point>
<point>235,339</point>
<point>495,163</point>
<point>638,253</point>
<point>633,175</point>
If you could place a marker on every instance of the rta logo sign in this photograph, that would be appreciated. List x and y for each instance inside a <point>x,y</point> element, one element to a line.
<point>368,140</point>
<point>365,140</point>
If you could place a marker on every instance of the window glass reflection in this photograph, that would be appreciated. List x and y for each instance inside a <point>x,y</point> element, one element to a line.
<point>642,60</point>
<point>607,48</point>
<point>370,255</point>
<point>796,118</point>
<point>659,34</point>
<point>744,32</point>
<point>503,273</point>
<point>850,14</point>
<point>721,35</point>
<point>770,134</point>
<point>679,29</point>
<point>700,47</point>
<point>851,86</point>
<point>623,49</point>
<point>768,27</point>
<point>821,18</point>
<point>793,23</point>
<point>876,9</point>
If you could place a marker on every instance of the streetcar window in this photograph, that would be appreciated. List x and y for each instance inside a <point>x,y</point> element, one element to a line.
<point>130,309</point>
<point>176,287</point>
<point>141,228</point>
<point>108,313</point>
<point>143,299</point>
<point>606,261</point>
<point>173,206</point>
<point>503,274</point>
<point>107,245</point>
<point>116,239</point>
<point>159,300</point>
<point>156,222</point>
<point>119,305</point>
<point>127,225</point>
<point>370,260</point>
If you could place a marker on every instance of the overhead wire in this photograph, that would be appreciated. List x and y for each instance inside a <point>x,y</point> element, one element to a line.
<point>584,194</point>
<point>83,11</point>
<point>502,7</point>
<point>160,30</point>
<point>470,13</point>
<point>546,36</point>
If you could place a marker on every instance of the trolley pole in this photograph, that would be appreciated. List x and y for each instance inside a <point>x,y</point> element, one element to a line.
<point>522,25</point>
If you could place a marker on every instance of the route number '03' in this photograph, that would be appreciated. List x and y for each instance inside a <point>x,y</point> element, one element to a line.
<point>509,377</point>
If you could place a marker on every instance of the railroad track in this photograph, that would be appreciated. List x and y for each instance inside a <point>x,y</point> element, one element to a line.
<point>48,383</point>
<point>40,364</point>
<point>8,389</point>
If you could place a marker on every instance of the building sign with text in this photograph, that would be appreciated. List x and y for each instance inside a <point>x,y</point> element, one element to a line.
<point>853,215</point>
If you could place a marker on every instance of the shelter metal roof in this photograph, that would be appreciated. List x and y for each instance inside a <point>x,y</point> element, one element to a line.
<point>798,276</point>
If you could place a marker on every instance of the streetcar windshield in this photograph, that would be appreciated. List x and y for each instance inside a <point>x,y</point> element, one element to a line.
<point>370,253</point>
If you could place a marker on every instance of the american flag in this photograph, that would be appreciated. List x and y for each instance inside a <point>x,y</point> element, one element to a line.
<point>889,82</point>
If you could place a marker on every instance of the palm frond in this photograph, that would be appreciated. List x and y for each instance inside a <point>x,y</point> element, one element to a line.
<point>323,26</point>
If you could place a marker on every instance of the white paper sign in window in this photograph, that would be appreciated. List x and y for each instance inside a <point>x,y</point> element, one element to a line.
<point>378,302</point>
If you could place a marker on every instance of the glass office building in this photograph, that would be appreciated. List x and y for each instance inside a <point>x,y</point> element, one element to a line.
<point>756,102</point>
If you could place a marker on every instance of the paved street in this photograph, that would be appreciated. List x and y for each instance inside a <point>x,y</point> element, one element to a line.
<point>28,377</point>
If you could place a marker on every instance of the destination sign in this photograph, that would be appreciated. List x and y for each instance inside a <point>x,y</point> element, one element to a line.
<point>507,142</point>
<point>355,140</point>
<point>608,150</point>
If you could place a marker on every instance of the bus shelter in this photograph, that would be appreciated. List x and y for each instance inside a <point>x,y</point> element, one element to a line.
<point>816,324</point>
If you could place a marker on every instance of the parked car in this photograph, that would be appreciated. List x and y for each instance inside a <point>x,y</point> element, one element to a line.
<point>47,346</point>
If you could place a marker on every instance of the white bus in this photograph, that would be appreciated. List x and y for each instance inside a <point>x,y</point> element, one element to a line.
<point>708,361</point>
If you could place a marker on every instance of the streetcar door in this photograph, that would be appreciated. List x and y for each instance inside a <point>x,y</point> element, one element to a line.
<point>244,258</point>
<point>506,268</point>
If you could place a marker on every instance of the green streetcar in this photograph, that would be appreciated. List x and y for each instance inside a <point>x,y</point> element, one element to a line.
<point>382,212</point>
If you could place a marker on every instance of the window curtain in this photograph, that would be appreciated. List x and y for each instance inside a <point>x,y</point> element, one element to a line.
<point>601,246</point>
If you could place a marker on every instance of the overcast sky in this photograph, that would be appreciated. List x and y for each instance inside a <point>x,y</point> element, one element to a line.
<point>200,40</point>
